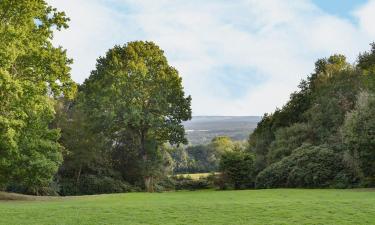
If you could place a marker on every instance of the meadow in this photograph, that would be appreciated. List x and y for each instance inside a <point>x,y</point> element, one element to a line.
<point>194,176</point>
<point>272,206</point>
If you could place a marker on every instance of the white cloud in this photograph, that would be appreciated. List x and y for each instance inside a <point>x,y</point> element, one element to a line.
<point>278,40</point>
<point>366,16</point>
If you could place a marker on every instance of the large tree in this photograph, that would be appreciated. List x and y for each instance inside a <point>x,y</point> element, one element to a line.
<point>32,72</point>
<point>136,100</point>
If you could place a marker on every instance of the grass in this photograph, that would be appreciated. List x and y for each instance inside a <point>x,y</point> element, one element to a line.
<point>277,206</point>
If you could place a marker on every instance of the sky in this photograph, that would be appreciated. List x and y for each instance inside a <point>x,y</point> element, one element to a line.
<point>236,58</point>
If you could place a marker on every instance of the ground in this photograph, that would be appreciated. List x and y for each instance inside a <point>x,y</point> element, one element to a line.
<point>277,206</point>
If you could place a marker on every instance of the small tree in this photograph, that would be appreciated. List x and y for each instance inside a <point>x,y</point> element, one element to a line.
<point>237,169</point>
<point>137,101</point>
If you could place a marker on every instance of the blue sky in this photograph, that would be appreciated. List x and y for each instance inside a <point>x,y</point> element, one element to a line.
<point>241,57</point>
<point>342,8</point>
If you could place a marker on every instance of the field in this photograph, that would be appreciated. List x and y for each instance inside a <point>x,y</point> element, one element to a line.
<point>194,176</point>
<point>277,206</point>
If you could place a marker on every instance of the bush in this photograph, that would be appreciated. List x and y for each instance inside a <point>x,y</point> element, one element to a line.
<point>237,170</point>
<point>308,166</point>
<point>51,190</point>
<point>187,183</point>
<point>91,184</point>
<point>165,184</point>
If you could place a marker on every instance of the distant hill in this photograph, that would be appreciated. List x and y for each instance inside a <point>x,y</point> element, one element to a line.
<point>201,129</point>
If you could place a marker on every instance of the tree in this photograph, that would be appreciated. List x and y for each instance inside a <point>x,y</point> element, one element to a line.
<point>237,169</point>
<point>84,151</point>
<point>287,139</point>
<point>221,144</point>
<point>359,135</point>
<point>137,101</point>
<point>313,114</point>
<point>32,72</point>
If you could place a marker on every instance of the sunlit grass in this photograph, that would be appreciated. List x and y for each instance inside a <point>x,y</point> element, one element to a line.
<point>194,176</point>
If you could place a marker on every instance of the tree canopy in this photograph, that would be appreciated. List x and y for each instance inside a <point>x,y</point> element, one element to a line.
<point>331,114</point>
<point>32,72</point>
<point>137,101</point>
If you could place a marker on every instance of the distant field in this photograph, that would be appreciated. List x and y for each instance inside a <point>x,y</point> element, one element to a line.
<point>277,206</point>
<point>194,176</point>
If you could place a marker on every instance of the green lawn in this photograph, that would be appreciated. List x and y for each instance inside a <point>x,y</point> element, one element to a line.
<point>277,206</point>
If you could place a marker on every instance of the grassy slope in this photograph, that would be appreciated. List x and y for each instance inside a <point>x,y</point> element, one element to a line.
<point>282,206</point>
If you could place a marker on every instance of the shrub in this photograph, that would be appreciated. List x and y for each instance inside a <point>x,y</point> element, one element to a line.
<point>91,184</point>
<point>187,183</point>
<point>237,170</point>
<point>165,184</point>
<point>307,166</point>
<point>51,190</point>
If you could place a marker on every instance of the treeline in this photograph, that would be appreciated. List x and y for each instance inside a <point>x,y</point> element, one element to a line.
<point>324,136</point>
<point>203,158</point>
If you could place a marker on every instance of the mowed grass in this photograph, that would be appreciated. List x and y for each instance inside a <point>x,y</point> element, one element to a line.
<point>277,206</point>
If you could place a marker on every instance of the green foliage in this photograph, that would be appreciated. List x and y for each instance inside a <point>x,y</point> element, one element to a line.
<point>203,158</point>
<point>292,112</point>
<point>366,60</point>
<point>187,183</point>
<point>237,170</point>
<point>319,114</point>
<point>32,71</point>
<point>91,184</point>
<point>307,166</point>
<point>84,149</point>
<point>359,135</point>
<point>136,102</point>
<point>287,139</point>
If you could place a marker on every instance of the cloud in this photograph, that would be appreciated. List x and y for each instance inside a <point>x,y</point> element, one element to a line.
<point>236,57</point>
<point>366,17</point>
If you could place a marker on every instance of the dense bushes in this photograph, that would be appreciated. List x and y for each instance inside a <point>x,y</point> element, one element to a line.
<point>359,136</point>
<point>187,183</point>
<point>92,184</point>
<point>287,139</point>
<point>307,166</point>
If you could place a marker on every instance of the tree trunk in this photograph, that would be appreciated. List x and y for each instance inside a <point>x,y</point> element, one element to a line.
<point>148,184</point>
<point>79,174</point>
<point>148,180</point>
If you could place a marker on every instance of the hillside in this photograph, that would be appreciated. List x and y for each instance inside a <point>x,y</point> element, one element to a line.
<point>201,129</point>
